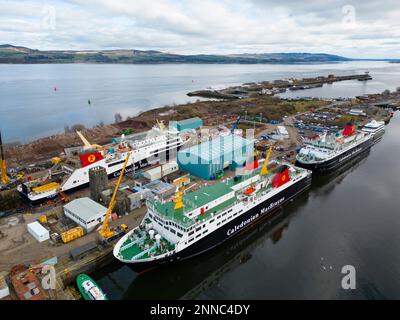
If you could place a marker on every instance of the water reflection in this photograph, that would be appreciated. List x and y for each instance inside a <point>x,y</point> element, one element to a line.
<point>188,279</point>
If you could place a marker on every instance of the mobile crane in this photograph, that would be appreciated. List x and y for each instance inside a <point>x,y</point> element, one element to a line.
<point>3,167</point>
<point>106,234</point>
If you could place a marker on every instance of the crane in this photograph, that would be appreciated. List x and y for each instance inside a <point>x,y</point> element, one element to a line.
<point>235,125</point>
<point>106,232</point>
<point>3,167</point>
<point>264,170</point>
<point>86,144</point>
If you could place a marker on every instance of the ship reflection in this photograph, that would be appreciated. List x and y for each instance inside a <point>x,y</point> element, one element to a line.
<point>188,279</point>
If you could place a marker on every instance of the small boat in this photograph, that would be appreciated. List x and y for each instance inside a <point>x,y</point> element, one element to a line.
<point>89,288</point>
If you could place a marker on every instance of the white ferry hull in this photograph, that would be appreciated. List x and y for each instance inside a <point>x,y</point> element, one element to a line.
<point>234,227</point>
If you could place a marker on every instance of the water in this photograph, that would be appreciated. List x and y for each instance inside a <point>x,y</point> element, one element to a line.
<point>30,108</point>
<point>350,217</point>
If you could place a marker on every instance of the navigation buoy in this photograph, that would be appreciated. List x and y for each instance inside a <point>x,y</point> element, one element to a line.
<point>89,102</point>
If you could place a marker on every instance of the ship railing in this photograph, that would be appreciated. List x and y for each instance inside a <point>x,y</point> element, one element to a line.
<point>141,254</point>
<point>131,244</point>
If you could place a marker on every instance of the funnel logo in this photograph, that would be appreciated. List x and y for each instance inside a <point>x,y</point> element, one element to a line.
<point>92,158</point>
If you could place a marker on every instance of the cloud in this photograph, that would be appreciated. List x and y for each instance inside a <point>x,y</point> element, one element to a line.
<point>360,29</point>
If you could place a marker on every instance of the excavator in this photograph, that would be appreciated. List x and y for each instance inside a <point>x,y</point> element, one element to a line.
<point>106,234</point>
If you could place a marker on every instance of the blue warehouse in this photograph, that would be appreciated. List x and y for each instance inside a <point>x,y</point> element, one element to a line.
<point>207,159</point>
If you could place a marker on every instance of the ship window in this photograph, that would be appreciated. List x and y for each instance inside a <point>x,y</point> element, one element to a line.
<point>205,232</point>
<point>197,229</point>
<point>218,223</point>
<point>191,232</point>
<point>173,231</point>
<point>223,220</point>
<point>235,214</point>
<point>190,240</point>
<point>211,221</point>
<point>179,235</point>
<point>198,236</point>
<point>224,214</point>
<point>219,217</point>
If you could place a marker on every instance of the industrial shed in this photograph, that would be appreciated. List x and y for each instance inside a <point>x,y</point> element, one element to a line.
<point>189,124</point>
<point>85,212</point>
<point>37,231</point>
<point>207,159</point>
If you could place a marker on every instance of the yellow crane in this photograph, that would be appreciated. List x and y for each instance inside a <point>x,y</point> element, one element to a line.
<point>264,170</point>
<point>86,144</point>
<point>106,232</point>
<point>3,167</point>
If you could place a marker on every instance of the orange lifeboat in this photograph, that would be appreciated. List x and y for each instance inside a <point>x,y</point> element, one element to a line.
<point>249,191</point>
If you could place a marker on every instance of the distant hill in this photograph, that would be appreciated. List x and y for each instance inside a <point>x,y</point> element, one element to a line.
<point>18,54</point>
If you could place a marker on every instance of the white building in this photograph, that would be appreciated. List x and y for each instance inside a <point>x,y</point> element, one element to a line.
<point>37,231</point>
<point>155,173</point>
<point>281,133</point>
<point>357,112</point>
<point>86,213</point>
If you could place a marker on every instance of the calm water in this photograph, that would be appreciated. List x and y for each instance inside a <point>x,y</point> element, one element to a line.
<point>30,108</point>
<point>350,217</point>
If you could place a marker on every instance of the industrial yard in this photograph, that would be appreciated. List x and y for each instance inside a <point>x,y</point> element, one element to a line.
<point>65,229</point>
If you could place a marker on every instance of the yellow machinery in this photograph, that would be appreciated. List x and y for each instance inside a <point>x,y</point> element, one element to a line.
<point>3,167</point>
<point>105,231</point>
<point>178,200</point>
<point>264,170</point>
<point>72,234</point>
<point>86,144</point>
<point>43,219</point>
<point>47,187</point>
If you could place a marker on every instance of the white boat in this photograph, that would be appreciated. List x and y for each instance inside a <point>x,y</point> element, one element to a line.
<point>145,148</point>
<point>376,128</point>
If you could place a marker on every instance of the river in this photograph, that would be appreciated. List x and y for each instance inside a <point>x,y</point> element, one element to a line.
<point>350,217</point>
<point>30,107</point>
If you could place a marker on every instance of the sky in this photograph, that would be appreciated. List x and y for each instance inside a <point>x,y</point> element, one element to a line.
<point>356,29</point>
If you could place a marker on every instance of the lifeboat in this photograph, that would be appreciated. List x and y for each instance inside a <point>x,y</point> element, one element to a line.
<point>249,191</point>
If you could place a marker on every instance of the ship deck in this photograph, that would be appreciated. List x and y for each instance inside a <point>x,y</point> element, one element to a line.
<point>202,197</point>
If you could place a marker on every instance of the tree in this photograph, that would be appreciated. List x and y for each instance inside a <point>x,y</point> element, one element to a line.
<point>77,127</point>
<point>118,117</point>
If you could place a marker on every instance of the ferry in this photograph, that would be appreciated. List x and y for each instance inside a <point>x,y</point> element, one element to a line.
<point>376,128</point>
<point>193,223</point>
<point>327,152</point>
<point>145,148</point>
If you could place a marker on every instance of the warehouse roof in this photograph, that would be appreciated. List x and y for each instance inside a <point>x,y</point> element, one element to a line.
<point>37,228</point>
<point>190,121</point>
<point>213,149</point>
<point>85,208</point>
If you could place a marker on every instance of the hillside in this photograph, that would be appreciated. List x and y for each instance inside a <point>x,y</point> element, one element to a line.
<point>23,55</point>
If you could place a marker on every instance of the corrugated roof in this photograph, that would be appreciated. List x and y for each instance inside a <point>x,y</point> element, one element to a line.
<point>85,208</point>
<point>213,149</point>
<point>190,121</point>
